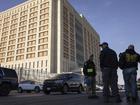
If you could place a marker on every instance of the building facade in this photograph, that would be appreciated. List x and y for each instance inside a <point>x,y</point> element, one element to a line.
<point>46,35</point>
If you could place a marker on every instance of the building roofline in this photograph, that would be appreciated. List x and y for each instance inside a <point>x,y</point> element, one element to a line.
<point>84,19</point>
<point>14,7</point>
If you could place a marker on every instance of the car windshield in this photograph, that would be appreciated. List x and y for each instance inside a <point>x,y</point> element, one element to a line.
<point>27,82</point>
<point>9,72</point>
<point>61,76</point>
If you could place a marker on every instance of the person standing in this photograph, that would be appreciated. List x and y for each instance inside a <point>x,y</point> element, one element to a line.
<point>89,72</point>
<point>109,66</point>
<point>128,62</point>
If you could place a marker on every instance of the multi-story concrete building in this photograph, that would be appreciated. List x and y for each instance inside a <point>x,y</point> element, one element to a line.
<point>46,35</point>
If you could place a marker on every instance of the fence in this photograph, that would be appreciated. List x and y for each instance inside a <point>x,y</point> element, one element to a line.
<point>33,74</point>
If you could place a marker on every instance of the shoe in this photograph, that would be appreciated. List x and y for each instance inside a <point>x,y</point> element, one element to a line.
<point>106,100</point>
<point>134,99</point>
<point>111,96</point>
<point>118,99</point>
<point>128,99</point>
<point>90,97</point>
<point>93,97</point>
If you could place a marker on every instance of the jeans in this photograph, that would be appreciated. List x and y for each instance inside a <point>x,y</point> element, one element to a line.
<point>91,85</point>
<point>110,79</point>
<point>130,75</point>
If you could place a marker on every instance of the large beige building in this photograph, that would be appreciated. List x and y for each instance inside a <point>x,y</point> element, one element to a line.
<point>47,35</point>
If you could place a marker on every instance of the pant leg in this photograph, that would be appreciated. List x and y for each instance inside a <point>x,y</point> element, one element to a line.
<point>133,82</point>
<point>93,88</point>
<point>88,85</point>
<point>114,82</point>
<point>126,77</point>
<point>106,80</point>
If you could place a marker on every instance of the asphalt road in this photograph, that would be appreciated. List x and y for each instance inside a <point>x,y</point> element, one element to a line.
<point>56,99</point>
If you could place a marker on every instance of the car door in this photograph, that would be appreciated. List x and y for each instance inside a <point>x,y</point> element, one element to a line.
<point>24,85</point>
<point>27,85</point>
<point>31,85</point>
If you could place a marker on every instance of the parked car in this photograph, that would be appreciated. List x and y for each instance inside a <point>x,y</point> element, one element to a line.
<point>29,86</point>
<point>138,86</point>
<point>8,81</point>
<point>98,87</point>
<point>65,82</point>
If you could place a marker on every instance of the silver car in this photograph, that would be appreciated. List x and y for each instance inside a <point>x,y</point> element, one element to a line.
<point>29,86</point>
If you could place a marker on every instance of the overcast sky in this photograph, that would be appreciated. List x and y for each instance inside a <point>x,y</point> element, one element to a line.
<point>116,21</point>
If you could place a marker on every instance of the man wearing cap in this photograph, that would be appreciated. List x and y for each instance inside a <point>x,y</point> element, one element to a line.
<point>128,62</point>
<point>109,66</point>
<point>89,71</point>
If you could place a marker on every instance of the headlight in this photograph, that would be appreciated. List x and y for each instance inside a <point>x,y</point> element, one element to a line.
<point>58,81</point>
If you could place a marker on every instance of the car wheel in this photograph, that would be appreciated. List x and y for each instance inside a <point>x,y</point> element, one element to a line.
<point>80,88</point>
<point>65,89</point>
<point>5,89</point>
<point>20,90</point>
<point>37,89</point>
<point>47,92</point>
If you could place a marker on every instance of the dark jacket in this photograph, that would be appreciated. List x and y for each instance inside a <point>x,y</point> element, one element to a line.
<point>129,59</point>
<point>89,68</point>
<point>108,58</point>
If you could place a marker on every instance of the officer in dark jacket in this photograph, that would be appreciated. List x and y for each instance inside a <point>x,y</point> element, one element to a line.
<point>128,62</point>
<point>109,66</point>
<point>89,71</point>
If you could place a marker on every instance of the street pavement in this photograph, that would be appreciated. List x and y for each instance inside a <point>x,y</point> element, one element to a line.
<point>57,99</point>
